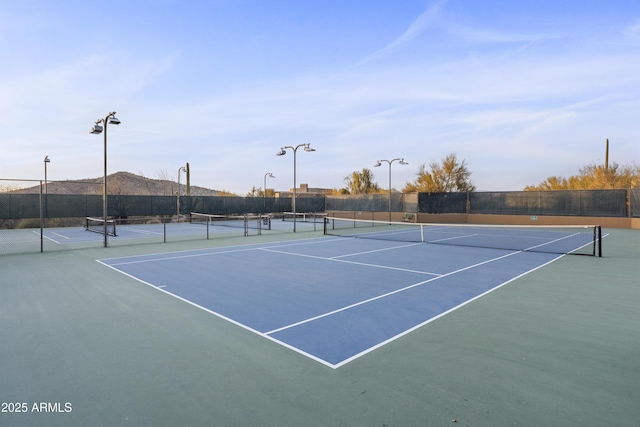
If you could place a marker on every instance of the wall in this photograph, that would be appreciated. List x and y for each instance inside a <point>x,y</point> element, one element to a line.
<point>607,222</point>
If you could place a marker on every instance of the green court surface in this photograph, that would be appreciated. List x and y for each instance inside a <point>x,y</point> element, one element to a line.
<point>84,345</point>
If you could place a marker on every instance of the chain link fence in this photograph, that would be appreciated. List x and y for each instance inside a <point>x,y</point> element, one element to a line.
<point>395,202</point>
<point>31,219</point>
<point>634,203</point>
<point>602,203</point>
<point>26,204</point>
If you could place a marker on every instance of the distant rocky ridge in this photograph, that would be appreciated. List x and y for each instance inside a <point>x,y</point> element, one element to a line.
<point>124,183</point>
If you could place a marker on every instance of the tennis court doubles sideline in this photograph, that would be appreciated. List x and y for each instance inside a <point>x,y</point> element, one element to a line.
<point>331,299</point>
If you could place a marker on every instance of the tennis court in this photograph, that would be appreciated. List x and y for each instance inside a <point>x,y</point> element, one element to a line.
<point>307,329</point>
<point>331,299</point>
<point>129,232</point>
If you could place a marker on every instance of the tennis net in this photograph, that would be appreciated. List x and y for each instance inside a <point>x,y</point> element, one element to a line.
<point>97,225</point>
<point>575,239</point>
<point>246,222</point>
<point>304,216</point>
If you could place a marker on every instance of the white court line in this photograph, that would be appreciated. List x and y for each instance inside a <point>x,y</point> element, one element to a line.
<point>375,250</point>
<point>215,251</point>
<point>350,262</point>
<point>205,252</point>
<point>390,293</point>
<point>453,238</point>
<point>166,258</point>
<point>47,237</point>
<point>553,241</point>
<point>221,316</point>
<point>311,356</point>
<point>400,335</point>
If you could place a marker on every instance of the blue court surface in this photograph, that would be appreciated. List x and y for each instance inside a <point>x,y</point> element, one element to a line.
<point>129,232</point>
<point>332,299</point>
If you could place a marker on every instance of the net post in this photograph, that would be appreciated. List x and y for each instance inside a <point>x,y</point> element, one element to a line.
<point>41,221</point>
<point>266,221</point>
<point>599,241</point>
<point>208,221</point>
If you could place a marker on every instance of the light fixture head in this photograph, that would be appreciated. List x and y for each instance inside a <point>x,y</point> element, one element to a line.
<point>377,164</point>
<point>282,152</point>
<point>402,162</point>
<point>309,149</point>
<point>114,121</point>
<point>46,159</point>
<point>97,129</point>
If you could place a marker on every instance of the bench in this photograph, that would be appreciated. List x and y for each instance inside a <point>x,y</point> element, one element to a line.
<point>407,217</point>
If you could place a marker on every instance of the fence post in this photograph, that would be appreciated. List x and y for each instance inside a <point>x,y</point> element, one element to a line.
<point>41,220</point>
<point>468,204</point>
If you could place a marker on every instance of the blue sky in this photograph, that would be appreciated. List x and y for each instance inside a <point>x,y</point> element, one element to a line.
<point>520,90</point>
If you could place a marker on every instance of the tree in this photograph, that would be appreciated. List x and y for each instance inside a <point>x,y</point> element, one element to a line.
<point>7,188</point>
<point>593,177</point>
<point>259,192</point>
<point>448,176</point>
<point>255,192</point>
<point>361,182</point>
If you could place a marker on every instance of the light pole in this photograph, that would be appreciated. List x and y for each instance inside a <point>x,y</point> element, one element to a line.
<point>110,119</point>
<point>46,160</point>
<point>264,193</point>
<point>180,169</point>
<point>378,163</point>
<point>282,152</point>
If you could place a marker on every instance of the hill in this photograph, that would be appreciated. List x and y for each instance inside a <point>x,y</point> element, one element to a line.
<point>121,183</point>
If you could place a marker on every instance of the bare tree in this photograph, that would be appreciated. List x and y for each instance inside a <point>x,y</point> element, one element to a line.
<point>167,178</point>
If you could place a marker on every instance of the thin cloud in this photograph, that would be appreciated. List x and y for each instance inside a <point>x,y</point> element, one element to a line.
<point>482,36</point>
<point>633,31</point>
<point>419,26</point>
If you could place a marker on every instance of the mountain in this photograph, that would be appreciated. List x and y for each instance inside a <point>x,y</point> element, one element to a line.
<point>122,183</point>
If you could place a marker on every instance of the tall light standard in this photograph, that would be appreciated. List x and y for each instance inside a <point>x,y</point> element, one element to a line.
<point>264,193</point>
<point>180,169</point>
<point>110,119</point>
<point>282,152</point>
<point>378,163</point>
<point>46,160</point>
